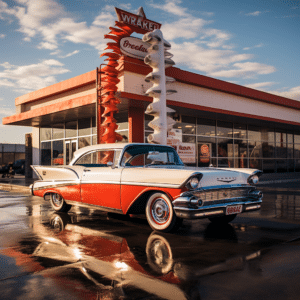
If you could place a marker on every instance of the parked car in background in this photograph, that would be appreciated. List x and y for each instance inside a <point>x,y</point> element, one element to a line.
<point>148,179</point>
<point>19,166</point>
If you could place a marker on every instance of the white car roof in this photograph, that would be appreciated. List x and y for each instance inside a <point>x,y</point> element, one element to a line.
<point>107,146</point>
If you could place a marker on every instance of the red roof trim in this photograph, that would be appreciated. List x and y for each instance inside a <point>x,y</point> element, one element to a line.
<point>58,88</point>
<point>50,109</point>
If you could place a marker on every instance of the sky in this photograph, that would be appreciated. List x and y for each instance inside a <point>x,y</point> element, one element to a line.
<point>253,43</point>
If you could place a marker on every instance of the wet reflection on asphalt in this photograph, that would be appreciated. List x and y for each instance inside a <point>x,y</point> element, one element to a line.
<point>92,255</point>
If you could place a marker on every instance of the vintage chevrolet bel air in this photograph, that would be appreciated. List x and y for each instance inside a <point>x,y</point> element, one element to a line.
<point>148,179</point>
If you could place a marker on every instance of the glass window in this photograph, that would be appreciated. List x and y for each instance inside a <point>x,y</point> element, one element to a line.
<point>206,127</point>
<point>124,134</point>
<point>19,156</point>
<point>297,138</point>
<point>280,138</point>
<point>290,138</point>
<point>94,125</point>
<point>297,151</point>
<point>84,141</point>
<point>225,147</point>
<point>224,129</point>
<point>71,129</point>
<point>8,158</point>
<point>187,125</point>
<point>96,158</point>
<point>150,155</point>
<point>210,142</point>
<point>0,158</point>
<point>188,139</point>
<point>84,127</point>
<point>57,154</point>
<point>268,135</point>
<point>254,133</point>
<point>240,131</point>
<point>290,150</point>
<point>45,133</point>
<point>58,131</point>
<point>255,149</point>
<point>46,153</point>
<point>268,150</point>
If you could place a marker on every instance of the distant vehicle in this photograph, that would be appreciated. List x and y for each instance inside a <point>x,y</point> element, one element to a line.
<point>7,171</point>
<point>19,166</point>
<point>148,179</point>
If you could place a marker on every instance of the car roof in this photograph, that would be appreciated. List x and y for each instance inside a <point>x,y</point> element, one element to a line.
<point>110,146</point>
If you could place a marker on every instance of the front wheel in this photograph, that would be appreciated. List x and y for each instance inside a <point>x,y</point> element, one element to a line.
<point>222,219</point>
<point>160,214</point>
<point>58,203</point>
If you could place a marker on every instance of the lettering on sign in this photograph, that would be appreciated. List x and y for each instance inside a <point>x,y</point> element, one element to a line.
<point>142,24</point>
<point>134,47</point>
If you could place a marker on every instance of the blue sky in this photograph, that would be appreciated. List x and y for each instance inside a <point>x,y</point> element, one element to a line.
<point>253,43</point>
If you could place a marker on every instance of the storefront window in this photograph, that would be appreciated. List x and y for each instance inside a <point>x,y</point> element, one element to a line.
<point>46,153</point>
<point>225,148</point>
<point>224,129</point>
<point>94,128</point>
<point>84,127</point>
<point>45,133</point>
<point>206,127</point>
<point>187,125</point>
<point>57,154</point>
<point>210,142</point>
<point>71,129</point>
<point>254,133</point>
<point>240,131</point>
<point>255,149</point>
<point>8,158</point>
<point>124,134</point>
<point>58,131</point>
<point>297,138</point>
<point>188,139</point>
<point>84,141</point>
<point>0,158</point>
<point>268,135</point>
<point>268,150</point>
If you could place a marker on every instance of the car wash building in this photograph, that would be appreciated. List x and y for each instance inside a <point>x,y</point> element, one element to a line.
<point>217,123</point>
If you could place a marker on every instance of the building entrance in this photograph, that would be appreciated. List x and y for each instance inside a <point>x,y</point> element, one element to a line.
<point>70,148</point>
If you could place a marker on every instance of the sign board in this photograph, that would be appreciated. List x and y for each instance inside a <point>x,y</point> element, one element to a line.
<point>139,22</point>
<point>187,152</point>
<point>134,47</point>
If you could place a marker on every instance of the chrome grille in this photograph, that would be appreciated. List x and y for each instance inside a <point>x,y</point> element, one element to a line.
<point>221,194</point>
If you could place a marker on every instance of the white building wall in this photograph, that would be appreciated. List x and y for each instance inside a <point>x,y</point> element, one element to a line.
<point>194,95</point>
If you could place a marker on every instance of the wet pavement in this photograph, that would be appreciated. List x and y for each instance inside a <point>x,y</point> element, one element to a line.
<point>88,254</point>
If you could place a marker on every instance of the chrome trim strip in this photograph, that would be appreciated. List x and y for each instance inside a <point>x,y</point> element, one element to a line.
<point>94,206</point>
<point>58,185</point>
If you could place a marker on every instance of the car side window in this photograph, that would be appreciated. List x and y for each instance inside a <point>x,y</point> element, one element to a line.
<point>96,159</point>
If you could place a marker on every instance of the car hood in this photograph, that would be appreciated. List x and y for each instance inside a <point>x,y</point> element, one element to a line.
<point>177,176</point>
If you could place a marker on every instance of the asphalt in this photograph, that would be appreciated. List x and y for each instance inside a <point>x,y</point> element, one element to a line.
<point>21,184</point>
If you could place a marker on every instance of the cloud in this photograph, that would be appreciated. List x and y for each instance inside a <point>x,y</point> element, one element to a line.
<point>6,111</point>
<point>260,85</point>
<point>171,6</point>
<point>31,77</point>
<point>292,93</point>
<point>2,36</point>
<point>253,47</point>
<point>49,20</point>
<point>245,70</point>
<point>254,14</point>
<point>69,54</point>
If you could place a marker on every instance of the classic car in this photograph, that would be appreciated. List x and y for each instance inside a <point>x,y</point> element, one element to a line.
<point>148,179</point>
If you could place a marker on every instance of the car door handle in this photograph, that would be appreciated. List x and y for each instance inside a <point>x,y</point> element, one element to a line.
<point>87,170</point>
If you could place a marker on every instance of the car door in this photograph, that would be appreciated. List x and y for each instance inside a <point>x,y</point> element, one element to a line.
<point>100,181</point>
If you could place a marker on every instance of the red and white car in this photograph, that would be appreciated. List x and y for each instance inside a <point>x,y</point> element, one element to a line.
<point>148,179</point>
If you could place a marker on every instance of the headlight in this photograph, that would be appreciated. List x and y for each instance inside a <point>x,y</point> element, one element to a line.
<point>253,179</point>
<point>193,182</point>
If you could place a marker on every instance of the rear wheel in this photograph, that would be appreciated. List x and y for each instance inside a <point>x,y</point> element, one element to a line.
<point>222,219</point>
<point>160,214</point>
<point>58,203</point>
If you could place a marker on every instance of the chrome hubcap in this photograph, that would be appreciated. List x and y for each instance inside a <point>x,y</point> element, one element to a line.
<point>57,200</point>
<point>160,211</point>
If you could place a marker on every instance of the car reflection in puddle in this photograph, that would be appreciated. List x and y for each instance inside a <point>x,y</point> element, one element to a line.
<point>133,264</point>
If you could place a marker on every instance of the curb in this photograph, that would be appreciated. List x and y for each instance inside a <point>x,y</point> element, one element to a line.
<point>16,188</point>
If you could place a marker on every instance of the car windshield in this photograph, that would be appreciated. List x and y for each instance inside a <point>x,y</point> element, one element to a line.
<point>140,155</point>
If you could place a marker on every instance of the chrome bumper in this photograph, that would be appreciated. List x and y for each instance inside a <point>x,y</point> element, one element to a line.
<point>191,207</point>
